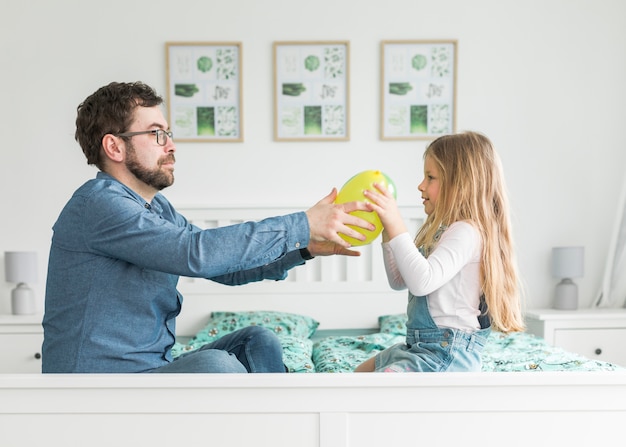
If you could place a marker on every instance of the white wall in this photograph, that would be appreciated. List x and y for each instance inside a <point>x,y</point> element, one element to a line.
<point>543,78</point>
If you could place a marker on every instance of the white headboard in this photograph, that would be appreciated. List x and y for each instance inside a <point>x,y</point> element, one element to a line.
<point>340,292</point>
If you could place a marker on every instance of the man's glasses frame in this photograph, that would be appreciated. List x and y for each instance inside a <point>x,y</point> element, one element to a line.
<point>161,135</point>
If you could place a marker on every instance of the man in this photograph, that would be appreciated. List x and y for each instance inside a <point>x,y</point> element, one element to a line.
<point>119,247</point>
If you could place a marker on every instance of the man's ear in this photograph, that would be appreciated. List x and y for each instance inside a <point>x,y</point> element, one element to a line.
<point>113,147</point>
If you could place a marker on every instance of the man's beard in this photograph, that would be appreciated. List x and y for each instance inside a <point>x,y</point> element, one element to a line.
<point>157,178</point>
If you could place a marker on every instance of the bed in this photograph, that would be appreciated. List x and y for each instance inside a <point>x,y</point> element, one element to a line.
<point>329,314</point>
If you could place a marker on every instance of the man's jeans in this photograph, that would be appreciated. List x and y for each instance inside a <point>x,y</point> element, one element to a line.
<point>253,349</point>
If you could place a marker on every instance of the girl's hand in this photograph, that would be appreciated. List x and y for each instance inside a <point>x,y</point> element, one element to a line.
<point>384,204</point>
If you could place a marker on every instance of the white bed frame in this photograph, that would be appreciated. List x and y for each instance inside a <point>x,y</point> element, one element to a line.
<point>321,410</point>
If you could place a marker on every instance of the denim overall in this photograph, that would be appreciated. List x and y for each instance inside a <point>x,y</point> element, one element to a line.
<point>429,348</point>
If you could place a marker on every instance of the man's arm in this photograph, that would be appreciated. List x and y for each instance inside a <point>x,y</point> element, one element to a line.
<point>276,270</point>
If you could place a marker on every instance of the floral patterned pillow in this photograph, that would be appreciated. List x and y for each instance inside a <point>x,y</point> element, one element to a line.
<point>393,324</point>
<point>282,323</point>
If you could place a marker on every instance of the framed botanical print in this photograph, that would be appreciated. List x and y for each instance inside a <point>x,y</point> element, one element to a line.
<point>311,86</point>
<point>418,89</point>
<point>204,91</point>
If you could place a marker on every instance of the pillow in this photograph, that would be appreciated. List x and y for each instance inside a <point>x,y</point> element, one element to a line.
<point>282,323</point>
<point>342,354</point>
<point>393,324</point>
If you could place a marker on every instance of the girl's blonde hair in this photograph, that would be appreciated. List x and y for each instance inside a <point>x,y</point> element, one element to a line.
<point>472,189</point>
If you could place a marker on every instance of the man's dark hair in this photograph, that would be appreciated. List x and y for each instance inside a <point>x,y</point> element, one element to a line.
<point>110,110</point>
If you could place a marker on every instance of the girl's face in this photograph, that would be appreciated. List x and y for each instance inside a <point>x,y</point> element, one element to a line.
<point>430,185</point>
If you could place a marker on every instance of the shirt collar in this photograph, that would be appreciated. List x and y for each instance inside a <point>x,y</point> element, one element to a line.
<point>154,205</point>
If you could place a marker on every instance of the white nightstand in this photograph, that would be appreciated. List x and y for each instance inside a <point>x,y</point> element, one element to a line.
<point>20,343</point>
<point>598,334</point>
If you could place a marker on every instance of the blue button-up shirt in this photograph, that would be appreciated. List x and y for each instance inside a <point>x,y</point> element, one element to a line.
<point>111,299</point>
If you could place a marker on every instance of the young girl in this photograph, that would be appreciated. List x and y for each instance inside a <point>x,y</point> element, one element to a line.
<point>460,270</point>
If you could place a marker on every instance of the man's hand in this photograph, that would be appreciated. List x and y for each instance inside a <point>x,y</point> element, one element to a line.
<point>327,218</point>
<point>328,248</point>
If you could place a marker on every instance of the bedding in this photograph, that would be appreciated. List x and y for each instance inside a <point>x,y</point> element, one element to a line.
<point>305,351</point>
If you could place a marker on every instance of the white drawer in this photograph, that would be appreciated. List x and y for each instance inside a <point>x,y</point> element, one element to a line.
<point>20,353</point>
<point>596,344</point>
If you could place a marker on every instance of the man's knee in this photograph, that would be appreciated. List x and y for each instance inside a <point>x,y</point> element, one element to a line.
<point>261,337</point>
<point>209,361</point>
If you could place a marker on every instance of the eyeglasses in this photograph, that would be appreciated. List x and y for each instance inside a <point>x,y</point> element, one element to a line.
<point>161,135</point>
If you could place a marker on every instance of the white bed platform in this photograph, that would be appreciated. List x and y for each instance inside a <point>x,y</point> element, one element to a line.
<point>311,410</point>
<point>316,410</point>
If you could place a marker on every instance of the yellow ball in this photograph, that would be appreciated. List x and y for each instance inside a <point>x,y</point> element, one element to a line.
<point>353,191</point>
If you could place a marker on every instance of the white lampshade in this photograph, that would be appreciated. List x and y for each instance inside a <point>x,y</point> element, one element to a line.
<point>568,262</point>
<point>21,267</point>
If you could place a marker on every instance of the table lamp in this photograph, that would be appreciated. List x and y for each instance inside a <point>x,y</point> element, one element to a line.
<point>21,267</point>
<point>567,263</point>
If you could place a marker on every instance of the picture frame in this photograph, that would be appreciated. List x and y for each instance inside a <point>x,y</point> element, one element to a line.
<point>204,91</point>
<point>418,89</point>
<point>311,91</point>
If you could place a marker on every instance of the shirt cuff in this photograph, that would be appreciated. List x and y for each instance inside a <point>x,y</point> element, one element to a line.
<point>298,230</point>
<point>306,254</point>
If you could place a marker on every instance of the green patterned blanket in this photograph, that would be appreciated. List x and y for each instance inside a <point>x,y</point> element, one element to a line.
<point>342,353</point>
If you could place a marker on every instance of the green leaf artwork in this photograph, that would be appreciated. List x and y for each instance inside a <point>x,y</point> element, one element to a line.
<point>419,62</point>
<point>419,119</point>
<point>206,120</point>
<point>205,63</point>
<point>312,63</point>
<point>399,88</point>
<point>312,120</point>
<point>291,89</point>
<point>186,90</point>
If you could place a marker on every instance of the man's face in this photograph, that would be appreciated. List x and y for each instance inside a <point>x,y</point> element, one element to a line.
<point>147,160</point>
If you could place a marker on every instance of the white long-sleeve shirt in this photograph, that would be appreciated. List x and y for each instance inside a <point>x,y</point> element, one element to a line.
<point>450,276</point>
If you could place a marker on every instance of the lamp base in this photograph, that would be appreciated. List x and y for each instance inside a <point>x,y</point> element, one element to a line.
<point>22,300</point>
<point>566,295</point>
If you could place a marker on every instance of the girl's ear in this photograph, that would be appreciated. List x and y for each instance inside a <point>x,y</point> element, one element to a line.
<point>113,147</point>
